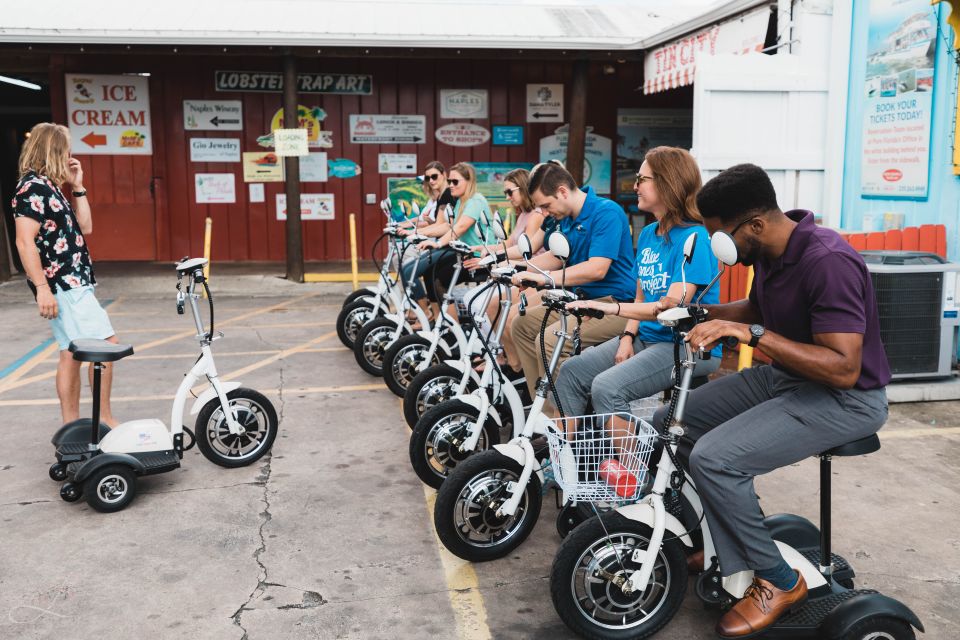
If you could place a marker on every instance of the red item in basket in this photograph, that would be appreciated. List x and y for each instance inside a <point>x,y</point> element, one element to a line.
<point>616,475</point>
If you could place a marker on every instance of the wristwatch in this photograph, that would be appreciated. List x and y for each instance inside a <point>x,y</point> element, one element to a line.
<point>756,332</point>
<point>79,194</point>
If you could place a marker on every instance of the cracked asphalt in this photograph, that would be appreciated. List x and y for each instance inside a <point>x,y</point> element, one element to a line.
<point>330,535</point>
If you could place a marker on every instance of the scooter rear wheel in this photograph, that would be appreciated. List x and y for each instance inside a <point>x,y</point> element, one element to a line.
<point>256,415</point>
<point>591,604</point>
<point>465,514</point>
<point>111,488</point>
<point>880,629</point>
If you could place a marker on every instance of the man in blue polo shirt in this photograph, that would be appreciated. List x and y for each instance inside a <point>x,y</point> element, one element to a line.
<point>600,263</point>
<point>812,310</point>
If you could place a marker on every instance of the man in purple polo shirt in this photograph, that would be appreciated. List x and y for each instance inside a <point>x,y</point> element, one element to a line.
<point>812,310</point>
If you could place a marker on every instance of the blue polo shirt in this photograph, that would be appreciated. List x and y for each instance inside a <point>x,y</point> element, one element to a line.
<point>601,231</point>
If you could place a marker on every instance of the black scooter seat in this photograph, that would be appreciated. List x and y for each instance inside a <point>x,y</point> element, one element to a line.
<point>855,448</point>
<point>86,350</point>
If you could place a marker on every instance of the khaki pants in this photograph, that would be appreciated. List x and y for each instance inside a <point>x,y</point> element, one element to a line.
<point>526,337</point>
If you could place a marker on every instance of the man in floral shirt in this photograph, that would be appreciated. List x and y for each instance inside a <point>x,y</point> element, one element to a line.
<point>55,257</point>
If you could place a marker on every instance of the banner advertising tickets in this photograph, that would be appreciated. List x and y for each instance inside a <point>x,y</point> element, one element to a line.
<point>899,91</point>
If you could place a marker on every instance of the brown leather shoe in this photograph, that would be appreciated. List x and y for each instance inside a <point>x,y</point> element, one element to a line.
<point>695,562</point>
<point>761,606</point>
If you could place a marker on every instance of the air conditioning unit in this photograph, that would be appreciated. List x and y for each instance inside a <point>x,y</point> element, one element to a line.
<point>917,302</point>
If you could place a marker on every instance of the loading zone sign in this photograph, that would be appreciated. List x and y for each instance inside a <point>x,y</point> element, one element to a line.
<point>384,129</point>
<point>544,103</point>
<point>212,115</point>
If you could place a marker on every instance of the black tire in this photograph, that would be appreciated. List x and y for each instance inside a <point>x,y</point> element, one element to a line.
<point>880,629</point>
<point>598,608</point>
<point>255,413</point>
<point>432,454</point>
<point>429,388</point>
<point>401,360</point>
<point>111,488</point>
<point>571,516</point>
<point>71,491</point>
<point>353,296</point>
<point>351,319</point>
<point>372,343</point>
<point>483,475</point>
<point>57,472</point>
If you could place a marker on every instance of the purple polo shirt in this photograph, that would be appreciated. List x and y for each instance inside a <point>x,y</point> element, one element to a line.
<point>821,285</point>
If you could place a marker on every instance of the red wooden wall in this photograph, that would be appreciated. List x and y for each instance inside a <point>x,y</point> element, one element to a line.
<point>250,231</point>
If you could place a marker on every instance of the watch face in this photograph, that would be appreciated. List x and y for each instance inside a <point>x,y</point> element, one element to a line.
<point>756,330</point>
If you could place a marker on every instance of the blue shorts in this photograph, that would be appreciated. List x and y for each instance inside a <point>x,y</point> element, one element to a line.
<point>79,315</point>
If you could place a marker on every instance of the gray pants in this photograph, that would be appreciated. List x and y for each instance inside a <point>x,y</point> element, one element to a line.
<point>750,423</point>
<point>593,377</point>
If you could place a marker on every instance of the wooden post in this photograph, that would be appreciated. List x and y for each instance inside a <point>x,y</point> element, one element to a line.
<point>577,138</point>
<point>291,120</point>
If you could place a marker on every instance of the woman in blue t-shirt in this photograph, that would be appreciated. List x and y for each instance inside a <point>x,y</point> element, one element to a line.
<point>638,363</point>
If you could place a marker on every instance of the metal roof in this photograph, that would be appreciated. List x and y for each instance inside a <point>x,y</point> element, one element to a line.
<point>491,24</point>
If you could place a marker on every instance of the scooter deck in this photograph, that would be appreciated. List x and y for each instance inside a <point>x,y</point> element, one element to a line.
<point>805,621</point>
<point>841,568</point>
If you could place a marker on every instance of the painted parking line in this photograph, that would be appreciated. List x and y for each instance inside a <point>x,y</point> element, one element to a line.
<point>463,587</point>
<point>279,325</point>
<point>14,384</point>
<point>192,355</point>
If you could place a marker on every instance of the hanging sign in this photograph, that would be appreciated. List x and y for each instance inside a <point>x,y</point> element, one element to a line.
<point>462,134</point>
<point>386,129</point>
<point>313,206</point>
<point>109,115</point>
<point>290,142</point>
<point>463,103</point>
<point>215,188</point>
<point>345,84</point>
<point>597,158</point>
<point>899,99</point>
<point>343,168</point>
<point>212,115</point>
<point>215,149</point>
<point>262,166</point>
<point>397,162</point>
<point>544,103</point>
<point>313,167</point>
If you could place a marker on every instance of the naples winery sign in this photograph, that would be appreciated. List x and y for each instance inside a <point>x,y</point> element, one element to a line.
<point>349,84</point>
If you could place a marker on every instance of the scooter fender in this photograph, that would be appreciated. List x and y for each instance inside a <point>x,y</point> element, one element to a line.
<point>210,394</point>
<point>861,607</point>
<point>515,452</point>
<point>430,336</point>
<point>396,318</point>
<point>643,512</point>
<point>104,459</point>
<point>474,401</point>
<point>77,431</point>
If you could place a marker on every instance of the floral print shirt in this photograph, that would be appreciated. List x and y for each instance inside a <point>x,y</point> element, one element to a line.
<point>62,248</point>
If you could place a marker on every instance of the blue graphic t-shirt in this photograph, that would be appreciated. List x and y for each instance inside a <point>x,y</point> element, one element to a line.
<point>658,263</point>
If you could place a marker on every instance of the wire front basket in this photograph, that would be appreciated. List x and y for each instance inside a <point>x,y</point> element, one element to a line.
<point>601,458</point>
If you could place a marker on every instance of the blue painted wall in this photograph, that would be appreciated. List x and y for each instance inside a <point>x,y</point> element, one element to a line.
<point>942,204</point>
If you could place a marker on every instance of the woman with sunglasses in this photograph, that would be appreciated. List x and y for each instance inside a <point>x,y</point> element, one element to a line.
<point>639,362</point>
<point>438,194</point>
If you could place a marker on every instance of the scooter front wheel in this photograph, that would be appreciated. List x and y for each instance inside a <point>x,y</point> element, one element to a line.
<point>465,514</point>
<point>351,319</point>
<point>353,296</point>
<point>401,360</point>
<point>429,388</point>
<point>111,488</point>
<point>435,441</point>
<point>256,415</point>
<point>372,343</point>
<point>592,563</point>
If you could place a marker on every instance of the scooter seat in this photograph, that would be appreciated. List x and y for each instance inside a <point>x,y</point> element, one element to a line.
<point>856,448</point>
<point>86,350</point>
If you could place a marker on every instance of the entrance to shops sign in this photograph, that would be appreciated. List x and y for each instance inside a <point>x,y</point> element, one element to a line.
<point>344,84</point>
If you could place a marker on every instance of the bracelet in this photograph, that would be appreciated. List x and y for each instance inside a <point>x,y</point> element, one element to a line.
<point>618,310</point>
<point>79,194</point>
<point>632,335</point>
<point>42,284</point>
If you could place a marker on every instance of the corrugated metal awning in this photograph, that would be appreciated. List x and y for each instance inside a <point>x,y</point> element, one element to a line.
<point>510,24</point>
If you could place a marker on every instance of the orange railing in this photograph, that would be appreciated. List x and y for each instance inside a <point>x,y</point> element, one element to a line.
<point>928,237</point>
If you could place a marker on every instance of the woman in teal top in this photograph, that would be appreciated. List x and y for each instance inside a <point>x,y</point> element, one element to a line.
<point>638,363</point>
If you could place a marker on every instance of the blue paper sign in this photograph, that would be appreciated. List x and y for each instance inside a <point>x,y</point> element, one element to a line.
<point>504,135</point>
<point>342,168</point>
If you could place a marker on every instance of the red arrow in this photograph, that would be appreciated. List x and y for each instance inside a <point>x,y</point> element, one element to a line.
<point>94,139</point>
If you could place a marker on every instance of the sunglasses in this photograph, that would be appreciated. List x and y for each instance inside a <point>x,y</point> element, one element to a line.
<point>431,177</point>
<point>509,192</point>
<point>641,179</point>
<point>453,181</point>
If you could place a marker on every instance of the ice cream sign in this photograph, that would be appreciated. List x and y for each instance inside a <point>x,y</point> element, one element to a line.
<point>109,115</point>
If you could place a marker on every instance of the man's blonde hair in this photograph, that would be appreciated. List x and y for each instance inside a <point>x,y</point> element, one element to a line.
<point>47,152</point>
